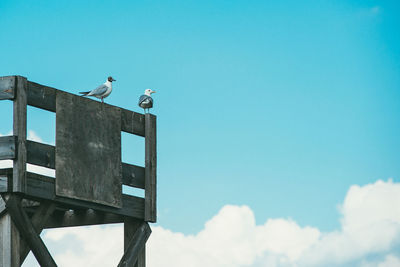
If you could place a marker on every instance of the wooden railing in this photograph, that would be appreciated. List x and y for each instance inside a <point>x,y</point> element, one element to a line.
<point>23,151</point>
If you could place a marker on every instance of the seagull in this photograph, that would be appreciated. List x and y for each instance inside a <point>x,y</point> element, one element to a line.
<point>145,101</point>
<point>102,91</point>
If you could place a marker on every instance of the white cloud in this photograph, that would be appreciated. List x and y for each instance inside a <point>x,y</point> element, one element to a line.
<point>34,137</point>
<point>370,225</point>
<point>90,243</point>
<point>389,261</point>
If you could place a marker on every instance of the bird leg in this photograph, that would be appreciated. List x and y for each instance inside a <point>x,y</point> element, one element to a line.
<point>102,101</point>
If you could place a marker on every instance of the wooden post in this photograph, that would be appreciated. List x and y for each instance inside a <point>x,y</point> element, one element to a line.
<point>136,233</point>
<point>28,232</point>
<point>150,169</point>
<point>19,130</point>
<point>9,242</point>
<point>2,206</point>
<point>130,227</point>
<point>39,219</point>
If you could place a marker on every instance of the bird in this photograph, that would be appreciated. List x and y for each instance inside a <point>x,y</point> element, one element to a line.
<point>101,91</point>
<point>145,101</point>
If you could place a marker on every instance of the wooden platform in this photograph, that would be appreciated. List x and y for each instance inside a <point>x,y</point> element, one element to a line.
<point>87,187</point>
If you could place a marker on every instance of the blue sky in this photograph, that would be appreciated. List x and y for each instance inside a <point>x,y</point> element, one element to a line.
<point>277,105</point>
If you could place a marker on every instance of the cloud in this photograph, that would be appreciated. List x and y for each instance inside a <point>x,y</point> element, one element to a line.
<point>389,261</point>
<point>34,137</point>
<point>370,225</point>
<point>87,245</point>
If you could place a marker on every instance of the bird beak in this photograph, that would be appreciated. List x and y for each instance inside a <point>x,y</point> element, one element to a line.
<point>153,91</point>
<point>113,80</point>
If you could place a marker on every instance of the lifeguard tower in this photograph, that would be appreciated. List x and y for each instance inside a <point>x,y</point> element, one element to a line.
<point>89,173</point>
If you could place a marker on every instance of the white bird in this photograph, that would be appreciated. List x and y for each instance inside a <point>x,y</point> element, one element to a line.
<point>102,91</point>
<point>146,101</point>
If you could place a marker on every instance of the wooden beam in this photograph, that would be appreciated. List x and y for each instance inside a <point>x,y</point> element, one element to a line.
<point>7,86</point>
<point>44,155</point>
<point>42,96</point>
<point>41,187</point>
<point>19,130</point>
<point>130,227</point>
<point>27,231</point>
<point>133,175</point>
<point>150,169</point>
<point>39,219</point>
<point>41,154</point>
<point>136,245</point>
<point>9,242</point>
<point>81,218</point>
<point>6,180</point>
<point>2,206</point>
<point>3,184</point>
<point>7,147</point>
<point>132,122</point>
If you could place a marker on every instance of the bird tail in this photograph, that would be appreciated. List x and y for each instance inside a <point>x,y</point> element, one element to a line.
<point>84,93</point>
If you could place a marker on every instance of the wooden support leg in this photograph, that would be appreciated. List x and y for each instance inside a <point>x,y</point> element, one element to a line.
<point>27,231</point>
<point>39,219</point>
<point>136,234</point>
<point>2,206</point>
<point>9,242</point>
<point>141,261</point>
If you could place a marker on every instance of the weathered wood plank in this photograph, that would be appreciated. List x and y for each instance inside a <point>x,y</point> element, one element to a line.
<point>7,86</point>
<point>6,180</point>
<point>44,97</point>
<point>141,261</point>
<point>2,206</point>
<point>7,147</point>
<point>150,169</point>
<point>41,154</point>
<point>81,218</point>
<point>88,151</point>
<point>136,245</point>
<point>6,171</point>
<point>27,231</point>
<point>41,96</point>
<point>44,155</point>
<point>132,122</point>
<point>133,175</point>
<point>9,242</point>
<point>41,187</point>
<point>3,184</point>
<point>130,227</point>
<point>19,130</point>
<point>39,218</point>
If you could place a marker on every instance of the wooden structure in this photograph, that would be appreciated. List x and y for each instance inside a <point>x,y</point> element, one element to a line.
<point>87,188</point>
